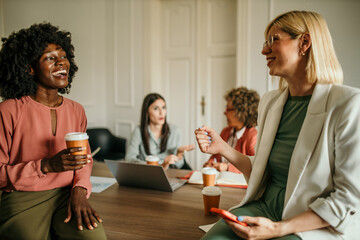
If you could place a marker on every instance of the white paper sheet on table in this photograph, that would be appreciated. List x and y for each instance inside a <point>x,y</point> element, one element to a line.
<point>99,184</point>
<point>206,228</point>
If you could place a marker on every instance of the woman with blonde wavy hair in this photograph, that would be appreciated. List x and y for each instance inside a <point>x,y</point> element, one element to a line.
<point>303,180</point>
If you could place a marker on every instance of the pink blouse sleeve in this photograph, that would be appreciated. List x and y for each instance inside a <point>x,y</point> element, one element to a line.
<point>82,176</point>
<point>17,176</point>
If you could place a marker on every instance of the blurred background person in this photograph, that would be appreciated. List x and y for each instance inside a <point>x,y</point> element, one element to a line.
<point>156,137</point>
<point>241,113</point>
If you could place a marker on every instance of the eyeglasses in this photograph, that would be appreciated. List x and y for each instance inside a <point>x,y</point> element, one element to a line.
<point>270,41</point>
<point>229,109</point>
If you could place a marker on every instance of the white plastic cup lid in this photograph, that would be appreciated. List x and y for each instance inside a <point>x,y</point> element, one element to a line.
<point>209,171</point>
<point>211,191</point>
<point>151,158</point>
<point>76,136</point>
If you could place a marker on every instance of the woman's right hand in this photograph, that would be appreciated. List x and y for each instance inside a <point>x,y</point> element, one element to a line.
<point>209,140</point>
<point>64,161</point>
<point>169,159</point>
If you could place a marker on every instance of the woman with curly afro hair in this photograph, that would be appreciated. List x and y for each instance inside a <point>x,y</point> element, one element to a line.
<point>241,114</point>
<point>45,188</point>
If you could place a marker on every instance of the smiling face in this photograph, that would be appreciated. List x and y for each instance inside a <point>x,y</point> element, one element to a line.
<point>283,58</point>
<point>157,112</point>
<point>52,68</point>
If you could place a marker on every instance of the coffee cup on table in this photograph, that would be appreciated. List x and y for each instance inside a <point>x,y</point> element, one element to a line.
<point>152,160</point>
<point>209,176</point>
<point>77,139</point>
<point>211,197</point>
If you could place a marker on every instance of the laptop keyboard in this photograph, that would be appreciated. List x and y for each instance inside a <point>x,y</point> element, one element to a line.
<point>174,182</point>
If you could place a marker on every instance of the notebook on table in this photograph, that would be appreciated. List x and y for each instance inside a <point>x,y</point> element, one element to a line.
<point>143,176</point>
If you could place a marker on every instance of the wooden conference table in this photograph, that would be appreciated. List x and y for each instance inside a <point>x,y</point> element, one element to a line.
<point>134,213</point>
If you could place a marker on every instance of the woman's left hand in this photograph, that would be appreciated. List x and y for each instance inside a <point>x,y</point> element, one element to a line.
<point>259,228</point>
<point>184,148</point>
<point>80,207</point>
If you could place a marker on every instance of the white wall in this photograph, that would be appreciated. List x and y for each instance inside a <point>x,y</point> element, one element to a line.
<point>343,19</point>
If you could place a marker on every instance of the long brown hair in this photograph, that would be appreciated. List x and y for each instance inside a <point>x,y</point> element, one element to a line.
<point>145,120</point>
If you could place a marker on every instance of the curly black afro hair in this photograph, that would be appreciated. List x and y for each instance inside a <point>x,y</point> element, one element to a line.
<point>23,49</point>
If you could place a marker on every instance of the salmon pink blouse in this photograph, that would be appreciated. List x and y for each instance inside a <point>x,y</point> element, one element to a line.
<point>26,138</point>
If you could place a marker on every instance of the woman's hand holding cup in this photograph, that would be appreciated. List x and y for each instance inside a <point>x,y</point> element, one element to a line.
<point>70,159</point>
<point>65,160</point>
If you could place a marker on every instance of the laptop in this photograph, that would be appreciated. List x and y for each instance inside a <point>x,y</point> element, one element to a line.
<point>143,176</point>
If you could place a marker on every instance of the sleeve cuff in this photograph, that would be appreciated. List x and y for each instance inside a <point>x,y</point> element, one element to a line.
<point>38,169</point>
<point>322,208</point>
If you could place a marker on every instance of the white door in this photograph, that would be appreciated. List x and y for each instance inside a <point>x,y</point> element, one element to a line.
<point>191,53</point>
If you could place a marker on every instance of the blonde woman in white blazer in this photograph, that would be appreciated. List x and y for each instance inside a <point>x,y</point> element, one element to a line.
<point>303,183</point>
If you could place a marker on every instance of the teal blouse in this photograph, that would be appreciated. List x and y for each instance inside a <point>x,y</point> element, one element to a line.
<point>136,152</point>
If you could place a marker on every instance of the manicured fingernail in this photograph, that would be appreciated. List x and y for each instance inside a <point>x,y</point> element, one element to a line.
<point>88,156</point>
<point>206,133</point>
<point>95,225</point>
<point>240,218</point>
<point>209,137</point>
<point>91,227</point>
<point>100,220</point>
<point>88,161</point>
<point>80,228</point>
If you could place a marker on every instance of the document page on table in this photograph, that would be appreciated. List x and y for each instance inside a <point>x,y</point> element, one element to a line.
<point>99,184</point>
<point>231,178</point>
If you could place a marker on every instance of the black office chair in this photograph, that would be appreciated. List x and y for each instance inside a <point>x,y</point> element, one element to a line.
<point>111,147</point>
<point>186,165</point>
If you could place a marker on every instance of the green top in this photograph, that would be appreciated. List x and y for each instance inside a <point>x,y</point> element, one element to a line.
<point>271,204</point>
<point>290,124</point>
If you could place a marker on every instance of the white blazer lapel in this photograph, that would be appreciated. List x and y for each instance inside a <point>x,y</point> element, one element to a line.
<point>308,137</point>
<point>270,127</point>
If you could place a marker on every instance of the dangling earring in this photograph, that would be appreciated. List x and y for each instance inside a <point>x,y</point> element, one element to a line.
<point>302,53</point>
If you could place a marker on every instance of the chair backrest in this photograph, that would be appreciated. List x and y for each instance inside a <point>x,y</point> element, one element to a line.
<point>100,137</point>
<point>111,147</point>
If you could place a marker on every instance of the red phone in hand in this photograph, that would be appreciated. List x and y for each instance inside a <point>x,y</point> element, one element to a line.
<point>227,215</point>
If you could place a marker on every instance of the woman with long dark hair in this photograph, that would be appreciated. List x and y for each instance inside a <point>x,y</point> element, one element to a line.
<point>155,136</point>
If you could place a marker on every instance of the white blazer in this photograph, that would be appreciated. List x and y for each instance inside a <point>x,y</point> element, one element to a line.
<point>324,172</point>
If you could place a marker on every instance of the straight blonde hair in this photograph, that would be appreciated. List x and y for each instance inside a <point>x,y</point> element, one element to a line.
<point>322,64</point>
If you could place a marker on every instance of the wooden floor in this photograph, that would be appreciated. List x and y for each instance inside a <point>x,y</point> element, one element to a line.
<point>133,213</point>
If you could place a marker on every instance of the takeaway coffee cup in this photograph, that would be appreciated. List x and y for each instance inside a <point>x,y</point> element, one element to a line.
<point>209,175</point>
<point>152,160</point>
<point>77,139</point>
<point>211,197</point>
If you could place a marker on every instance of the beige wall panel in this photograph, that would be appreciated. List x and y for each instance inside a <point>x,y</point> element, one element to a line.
<point>179,75</point>
<point>123,56</point>
<point>222,72</point>
<point>222,22</point>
